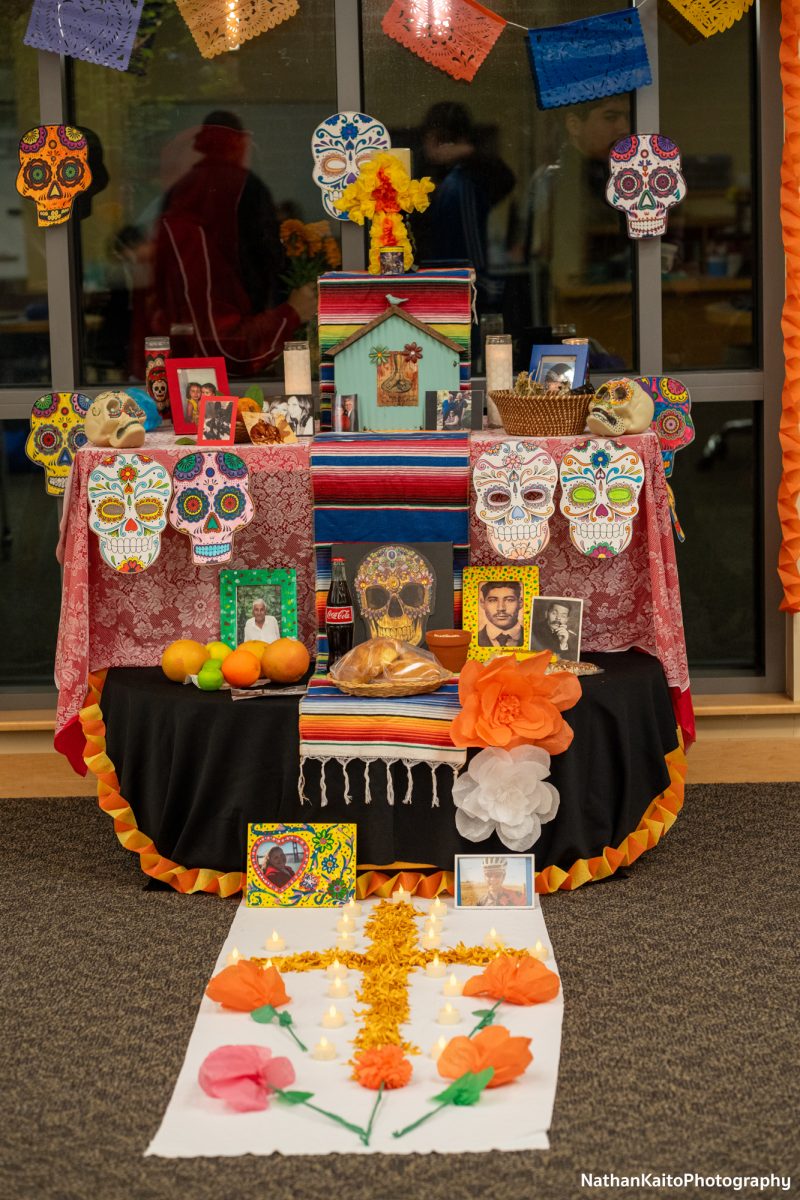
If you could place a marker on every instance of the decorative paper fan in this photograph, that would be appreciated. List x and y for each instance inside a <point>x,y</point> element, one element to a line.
<point>96,31</point>
<point>217,27</point>
<point>585,60</point>
<point>453,35</point>
<point>711,16</point>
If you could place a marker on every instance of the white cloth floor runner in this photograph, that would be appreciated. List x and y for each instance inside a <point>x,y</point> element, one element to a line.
<point>512,1117</point>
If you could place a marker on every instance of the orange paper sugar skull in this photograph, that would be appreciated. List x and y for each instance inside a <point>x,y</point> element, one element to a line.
<point>54,169</point>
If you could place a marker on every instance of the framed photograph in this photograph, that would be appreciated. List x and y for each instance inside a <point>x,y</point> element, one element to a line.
<point>559,368</point>
<point>495,881</point>
<point>296,411</point>
<point>217,422</point>
<point>497,608</point>
<point>300,866</point>
<point>345,414</point>
<point>189,379</point>
<point>264,428</point>
<point>257,606</point>
<point>453,411</point>
<point>556,626</point>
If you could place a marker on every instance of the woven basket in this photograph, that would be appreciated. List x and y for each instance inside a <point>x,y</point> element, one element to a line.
<point>543,414</point>
<point>379,690</point>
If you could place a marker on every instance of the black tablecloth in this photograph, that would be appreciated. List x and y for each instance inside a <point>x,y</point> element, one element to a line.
<point>196,767</point>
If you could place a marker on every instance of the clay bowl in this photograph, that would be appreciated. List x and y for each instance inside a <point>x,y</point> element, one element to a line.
<point>450,647</point>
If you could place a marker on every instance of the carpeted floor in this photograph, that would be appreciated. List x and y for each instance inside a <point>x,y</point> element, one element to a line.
<point>679,1051</point>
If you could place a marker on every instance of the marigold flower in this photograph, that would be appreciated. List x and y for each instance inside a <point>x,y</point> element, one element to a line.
<point>333,255</point>
<point>293,236</point>
<point>385,1065</point>
<point>244,1076</point>
<point>515,980</point>
<point>508,703</point>
<point>246,986</point>
<point>492,1047</point>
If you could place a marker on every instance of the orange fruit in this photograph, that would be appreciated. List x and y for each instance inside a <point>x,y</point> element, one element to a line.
<point>255,648</point>
<point>285,661</point>
<point>183,658</point>
<point>241,668</point>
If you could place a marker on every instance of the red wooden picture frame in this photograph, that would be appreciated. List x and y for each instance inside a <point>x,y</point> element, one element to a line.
<point>205,403</point>
<point>177,384</point>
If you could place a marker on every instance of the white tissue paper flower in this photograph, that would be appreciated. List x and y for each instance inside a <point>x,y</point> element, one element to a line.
<point>504,790</point>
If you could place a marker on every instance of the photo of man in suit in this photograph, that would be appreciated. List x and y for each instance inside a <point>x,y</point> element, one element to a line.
<point>500,603</point>
<point>556,626</point>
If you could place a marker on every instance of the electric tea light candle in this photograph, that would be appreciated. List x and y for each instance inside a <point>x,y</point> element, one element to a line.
<point>336,970</point>
<point>400,896</point>
<point>338,989</point>
<point>345,924</point>
<point>275,941</point>
<point>438,1047</point>
<point>233,957</point>
<point>448,1015</point>
<point>435,968</point>
<point>324,1050</point>
<point>437,909</point>
<point>430,941</point>
<point>346,941</point>
<point>539,951</point>
<point>452,987</point>
<point>493,939</point>
<point>333,1019</point>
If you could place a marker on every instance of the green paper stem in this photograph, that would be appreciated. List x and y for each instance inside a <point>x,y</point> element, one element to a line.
<point>486,1019</point>
<point>398,1133</point>
<point>331,1116</point>
<point>375,1107</point>
<point>297,1039</point>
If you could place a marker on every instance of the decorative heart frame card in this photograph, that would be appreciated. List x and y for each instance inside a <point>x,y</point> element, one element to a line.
<point>300,865</point>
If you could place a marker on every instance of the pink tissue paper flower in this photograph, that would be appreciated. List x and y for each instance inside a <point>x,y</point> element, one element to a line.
<point>244,1076</point>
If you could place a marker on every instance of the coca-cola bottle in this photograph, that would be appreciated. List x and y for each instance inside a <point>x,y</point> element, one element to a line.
<point>338,614</point>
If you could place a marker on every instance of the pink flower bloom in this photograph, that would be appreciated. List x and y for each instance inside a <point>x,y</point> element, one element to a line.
<point>244,1076</point>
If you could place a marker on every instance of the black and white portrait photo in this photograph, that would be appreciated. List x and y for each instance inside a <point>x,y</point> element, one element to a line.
<point>556,625</point>
<point>500,604</point>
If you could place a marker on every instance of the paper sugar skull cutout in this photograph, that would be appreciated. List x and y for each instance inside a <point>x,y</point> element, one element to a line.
<point>600,485</point>
<point>340,147</point>
<point>128,503</point>
<point>515,486</point>
<point>54,169</point>
<point>620,406</point>
<point>211,500</point>
<point>57,433</point>
<point>395,590</point>
<point>672,418</point>
<point>115,419</point>
<point>645,182</point>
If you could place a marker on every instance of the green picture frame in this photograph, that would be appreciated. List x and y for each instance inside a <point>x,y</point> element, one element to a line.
<point>239,589</point>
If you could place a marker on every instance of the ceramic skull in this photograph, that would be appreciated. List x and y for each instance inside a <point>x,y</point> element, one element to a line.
<point>211,501</point>
<point>57,433</point>
<point>515,487</point>
<point>128,502</point>
<point>396,589</point>
<point>115,419</point>
<point>645,182</point>
<point>672,420</point>
<point>620,406</point>
<point>54,169</point>
<point>600,485</point>
<point>340,146</point>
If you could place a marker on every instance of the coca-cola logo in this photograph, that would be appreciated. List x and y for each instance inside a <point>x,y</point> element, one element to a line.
<point>339,616</point>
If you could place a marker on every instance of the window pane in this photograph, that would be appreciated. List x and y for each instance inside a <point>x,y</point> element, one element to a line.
<point>183,236</point>
<point>708,254</point>
<point>24,327</point>
<point>521,192</point>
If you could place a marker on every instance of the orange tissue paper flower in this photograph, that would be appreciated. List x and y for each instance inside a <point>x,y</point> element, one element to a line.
<point>515,980</point>
<point>246,986</point>
<point>492,1047</point>
<point>386,1065</point>
<point>507,703</point>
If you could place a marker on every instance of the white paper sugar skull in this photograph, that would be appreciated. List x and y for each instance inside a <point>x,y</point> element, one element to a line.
<point>54,169</point>
<point>396,590</point>
<point>340,147</point>
<point>620,406</point>
<point>211,501</point>
<point>57,433</point>
<point>128,503</point>
<point>515,487</point>
<point>600,485</point>
<point>115,419</point>
<point>645,182</point>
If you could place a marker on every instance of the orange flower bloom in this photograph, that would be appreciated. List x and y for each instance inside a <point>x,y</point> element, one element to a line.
<point>508,703</point>
<point>492,1047</point>
<point>516,980</point>
<point>333,255</point>
<point>246,986</point>
<point>386,1065</point>
<point>293,236</point>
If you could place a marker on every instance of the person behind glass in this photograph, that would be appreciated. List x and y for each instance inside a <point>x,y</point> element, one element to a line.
<point>500,603</point>
<point>218,257</point>
<point>262,626</point>
<point>553,632</point>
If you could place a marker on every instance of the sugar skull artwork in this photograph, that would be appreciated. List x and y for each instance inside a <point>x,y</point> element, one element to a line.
<point>211,501</point>
<point>115,419</point>
<point>645,182</point>
<point>672,419</point>
<point>620,406</point>
<point>395,589</point>
<point>128,503</point>
<point>515,488</point>
<point>57,433</point>
<point>340,147</point>
<point>54,169</point>
<point>600,485</point>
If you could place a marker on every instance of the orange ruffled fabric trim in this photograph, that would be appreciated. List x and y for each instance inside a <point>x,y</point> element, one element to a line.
<point>789,490</point>
<point>658,819</point>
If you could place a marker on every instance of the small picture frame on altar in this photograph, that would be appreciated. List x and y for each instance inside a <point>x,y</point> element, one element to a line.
<point>257,605</point>
<point>216,425</point>
<point>345,414</point>
<point>453,412</point>
<point>189,379</point>
<point>556,626</point>
<point>497,605</point>
<point>300,866</point>
<point>559,368</point>
<point>495,881</point>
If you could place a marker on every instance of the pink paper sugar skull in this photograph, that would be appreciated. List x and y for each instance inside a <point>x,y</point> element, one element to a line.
<point>128,501</point>
<point>645,182</point>
<point>54,169</point>
<point>211,500</point>
<point>600,485</point>
<point>515,487</point>
<point>57,433</point>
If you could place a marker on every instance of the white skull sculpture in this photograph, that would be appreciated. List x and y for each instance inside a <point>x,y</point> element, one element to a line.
<point>128,502</point>
<point>396,588</point>
<point>340,146</point>
<point>515,486</point>
<point>211,501</point>
<point>620,406</point>
<point>115,419</point>
<point>646,180</point>
<point>600,485</point>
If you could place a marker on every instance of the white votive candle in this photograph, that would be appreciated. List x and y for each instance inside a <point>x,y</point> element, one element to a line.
<point>233,958</point>
<point>345,924</point>
<point>430,941</point>
<point>435,968</point>
<point>493,938</point>
<point>336,970</point>
<point>438,1047</point>
<point>333,1019</point>
<point>499,373</point>
<point>338,989</point>
<point>437,909</point>
<point>275,941</point>
<point>346,941</point>
<point>452,987</point>
<point>449,1015</point>
<point>324,1050</point>
<point>539,951</point>
<point>297,368</point>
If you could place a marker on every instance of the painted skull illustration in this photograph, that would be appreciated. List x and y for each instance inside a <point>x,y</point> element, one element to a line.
<point>54,169</point>
<point>211,501</point>
<point>515,486</point>
<point>115,419</point>
<point>620,406</point>
<point>128,502</point>
<point>672,419</point>
<point>395,590</point>
<point>600,485</point>
<point>57,433</point>
<point>340,146</point>
<point>645,182</point>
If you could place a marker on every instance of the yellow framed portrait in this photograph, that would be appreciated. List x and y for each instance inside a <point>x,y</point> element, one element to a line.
<point>497,608</point>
